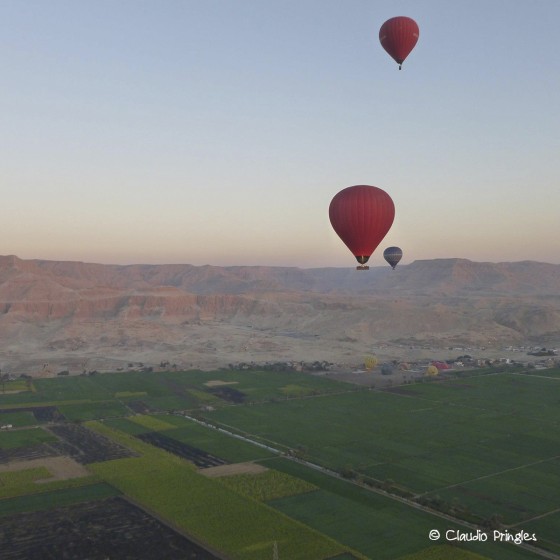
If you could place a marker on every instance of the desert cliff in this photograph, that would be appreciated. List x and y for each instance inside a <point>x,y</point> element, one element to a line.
<point>73,315</point>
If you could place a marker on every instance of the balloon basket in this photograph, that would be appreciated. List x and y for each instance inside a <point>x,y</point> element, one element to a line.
<point>362,267</point>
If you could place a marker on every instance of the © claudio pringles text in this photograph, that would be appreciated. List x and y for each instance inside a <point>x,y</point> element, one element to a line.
<point>454,535</point>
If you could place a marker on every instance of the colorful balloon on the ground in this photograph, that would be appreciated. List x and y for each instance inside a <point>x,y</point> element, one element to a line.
<point>398,36</point>
<point>370,362</point>
<point>393,255</point>
<point>441,365</point>
<point>361,216</point>
<point>431,370</point>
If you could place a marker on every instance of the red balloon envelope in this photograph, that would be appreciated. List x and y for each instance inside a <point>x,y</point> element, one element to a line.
<point>398,36</point>
<point>361,216</point>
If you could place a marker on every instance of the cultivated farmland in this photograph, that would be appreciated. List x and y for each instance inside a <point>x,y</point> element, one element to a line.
<point>480,449</point>
<point>114,528</point>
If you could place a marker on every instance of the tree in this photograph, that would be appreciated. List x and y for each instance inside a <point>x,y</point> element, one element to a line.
<point>388,484</point>
<point>494,522</point>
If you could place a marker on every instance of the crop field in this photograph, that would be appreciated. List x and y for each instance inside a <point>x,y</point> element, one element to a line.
<point>443,552</point>
<point>552,372</point>
<point>215,442</point>
<point>12,439</point>
<point>16,478</point>
<point>489,444</point>
<point>371,522</point>
<point>86,446</point>
<point>240,526</point>
<point>376,525</point>
<point>198,457</point>
<point>480,447</point>
<point>120,394</point>
<point>17,418</point>
<point>93,411</point>
<point>518,495</point>
<point>547,530</point>
<point>268,485</point>
<point>66,496</point>
<point>30,414</point>
<point>114,528</point>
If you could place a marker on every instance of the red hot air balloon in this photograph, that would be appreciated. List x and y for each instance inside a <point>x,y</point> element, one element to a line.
<point>398,36</point>
<point>361,216</point>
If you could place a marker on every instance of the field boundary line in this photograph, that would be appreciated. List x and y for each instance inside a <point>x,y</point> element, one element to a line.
<point>488,476</point>
<point>536,375</point>
<point>536,517</point>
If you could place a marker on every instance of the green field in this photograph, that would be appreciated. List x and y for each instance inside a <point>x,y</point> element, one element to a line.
<point>443,552</point>
<point>216,443</point>
<point>376,525</point>
<point>18,478</point>
<point>478,447</point>
<point>93,411</point>
<point>240,526</point>
<point>17,419</point>
<point>268,485</point>
<point>103,395</point>
<point>64,497</point>
<point>486,446</point>
<point>21,438</point>
<point>547,530</point>
<point>425,437</point>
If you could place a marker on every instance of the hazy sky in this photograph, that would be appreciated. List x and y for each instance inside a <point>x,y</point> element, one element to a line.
<point>218,131</point>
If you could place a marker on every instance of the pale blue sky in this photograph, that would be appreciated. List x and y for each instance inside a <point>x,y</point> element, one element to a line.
<point>217,131</point>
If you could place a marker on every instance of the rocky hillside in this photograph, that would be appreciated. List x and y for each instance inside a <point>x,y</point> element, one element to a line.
<point>72,312</point>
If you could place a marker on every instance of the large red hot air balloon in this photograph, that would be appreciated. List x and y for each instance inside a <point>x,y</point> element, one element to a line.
<point>398,36</point>
<point>361,216</point>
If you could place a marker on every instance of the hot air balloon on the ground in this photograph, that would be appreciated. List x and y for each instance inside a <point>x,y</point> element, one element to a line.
<point>361,216</point>
<point>431,370</point>
<point>386,369</point>
<point>370,362</point>
<point>392,255</point>
<point>398,36</point>
<point>441,365</point>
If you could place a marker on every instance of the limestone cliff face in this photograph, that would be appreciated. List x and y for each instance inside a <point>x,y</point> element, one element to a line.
<point>448,301</point>
<point>433,277</point>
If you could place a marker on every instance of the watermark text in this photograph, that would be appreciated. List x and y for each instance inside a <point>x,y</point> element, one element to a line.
<point>457,535</point>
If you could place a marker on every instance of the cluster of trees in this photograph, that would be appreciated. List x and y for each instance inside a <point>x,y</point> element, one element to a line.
<point>284,366</point>
<point>5,377</point>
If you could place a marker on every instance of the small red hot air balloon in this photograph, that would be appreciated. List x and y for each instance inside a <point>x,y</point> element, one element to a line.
<point>398,36</point>
<point>361,216</point>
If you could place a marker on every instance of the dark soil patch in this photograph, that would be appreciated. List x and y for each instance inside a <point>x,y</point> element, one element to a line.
<point>85,446</point>
<point>228,394</point>
<point>139,407</point>
<point>28,453</point>
<point>197,456</point>
<point>75,441</point>
<point>41,413</point>
<point>110,529</point>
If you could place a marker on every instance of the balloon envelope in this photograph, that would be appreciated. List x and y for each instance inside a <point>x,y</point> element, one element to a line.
<point>431,370</point>
<point>370,362</point>
<point>441,365</point>
<point>361,216</point>
<point>392,255</point>
<point>398,36</point>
